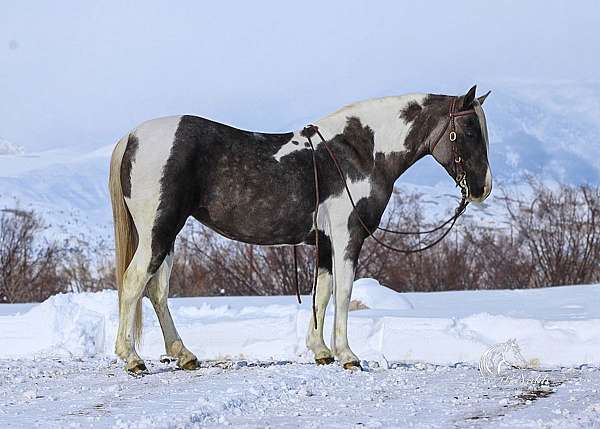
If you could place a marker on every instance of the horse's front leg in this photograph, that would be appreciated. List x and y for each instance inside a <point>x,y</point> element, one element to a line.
<point>314,339</point>
<point>345,256</point>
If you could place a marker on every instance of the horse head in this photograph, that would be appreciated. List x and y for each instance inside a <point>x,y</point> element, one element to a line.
<point>459,142</point>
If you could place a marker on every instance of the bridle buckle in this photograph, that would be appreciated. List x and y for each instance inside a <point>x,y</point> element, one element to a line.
<point>452,136</point>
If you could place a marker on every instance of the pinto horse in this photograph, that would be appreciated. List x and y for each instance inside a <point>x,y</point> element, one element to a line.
<point>259,188</point>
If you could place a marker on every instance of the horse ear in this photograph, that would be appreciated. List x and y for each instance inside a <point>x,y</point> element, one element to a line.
<point>483,97</point>
<point>469,98</point>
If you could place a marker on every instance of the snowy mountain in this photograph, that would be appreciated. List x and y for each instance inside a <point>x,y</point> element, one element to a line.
<point>550,131</point>
<point>68,189</point>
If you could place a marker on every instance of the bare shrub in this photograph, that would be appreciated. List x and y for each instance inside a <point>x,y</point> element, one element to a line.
<point>447,266</point>
<point>82,270</point>
<point>560,232</point>
<point>28,264</point>
<point>500,261</point>
<point>550,239</point>
<point>553,239</point>
<point>207,264</point>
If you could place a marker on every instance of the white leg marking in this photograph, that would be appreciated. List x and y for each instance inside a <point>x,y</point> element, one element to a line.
<point>343,276</point>
<point>314,339</point>
<point>134,281</point>
<point>333,219</point>
<point>158,292</point>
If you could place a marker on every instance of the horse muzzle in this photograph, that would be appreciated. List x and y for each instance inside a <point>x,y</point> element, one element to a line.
<point>486,191</point>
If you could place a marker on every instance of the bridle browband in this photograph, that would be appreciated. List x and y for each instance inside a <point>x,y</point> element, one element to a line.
<point>460,178</point>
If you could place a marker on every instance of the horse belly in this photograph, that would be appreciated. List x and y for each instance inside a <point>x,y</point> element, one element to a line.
<point>267,212</point>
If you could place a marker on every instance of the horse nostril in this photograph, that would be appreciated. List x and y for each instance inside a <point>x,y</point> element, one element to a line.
<point>480,193</point>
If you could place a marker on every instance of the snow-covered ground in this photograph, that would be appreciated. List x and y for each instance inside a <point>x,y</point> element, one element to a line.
<point>420,353</point>
<point>94,392</point>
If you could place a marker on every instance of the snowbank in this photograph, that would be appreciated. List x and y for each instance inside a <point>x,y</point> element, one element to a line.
<point>373,295</point>
<point>555,326</point>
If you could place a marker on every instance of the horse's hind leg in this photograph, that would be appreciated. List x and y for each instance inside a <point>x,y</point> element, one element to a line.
<point>314,339</point>
<point>158,292</point>
<point>134,281</point>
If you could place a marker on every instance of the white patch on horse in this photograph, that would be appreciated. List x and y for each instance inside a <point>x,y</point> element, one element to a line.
<point>482,122</point>
<point>484,132</point>
<point>314,338</point>
<point>290,147</point>
<point>487,187</point>
<point>343,277</point>
<point>335,210</point>
<point>382,115</point>
<point>155,140</point>
<point>333,217</point>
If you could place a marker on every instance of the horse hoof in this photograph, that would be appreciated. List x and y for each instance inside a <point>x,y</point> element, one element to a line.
<point>138,369</point>
<point>190,365</point>
<point>324,360</point>
<point>353,366</point>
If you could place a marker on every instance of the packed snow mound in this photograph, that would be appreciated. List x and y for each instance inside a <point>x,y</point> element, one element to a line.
<point>378,297</point>
<point>555,327</point>
<point>8,148</point>
<point>64,324</point>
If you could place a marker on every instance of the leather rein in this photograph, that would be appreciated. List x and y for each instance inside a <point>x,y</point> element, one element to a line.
<point>460,178</point>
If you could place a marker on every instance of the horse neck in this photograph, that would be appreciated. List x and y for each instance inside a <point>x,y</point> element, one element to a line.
<point>384,116</point>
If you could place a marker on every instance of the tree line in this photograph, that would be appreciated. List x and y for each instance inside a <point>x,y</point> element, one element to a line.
<point>550,238</point>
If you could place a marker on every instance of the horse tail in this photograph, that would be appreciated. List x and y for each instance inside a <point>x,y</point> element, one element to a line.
<point>126,239</point>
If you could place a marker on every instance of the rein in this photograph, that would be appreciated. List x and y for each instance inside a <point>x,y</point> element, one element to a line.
<point>459,176</point>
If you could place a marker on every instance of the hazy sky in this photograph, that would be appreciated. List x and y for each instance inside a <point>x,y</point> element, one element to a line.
<point>83,73</point>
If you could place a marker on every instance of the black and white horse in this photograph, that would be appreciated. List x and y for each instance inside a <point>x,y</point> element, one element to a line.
<point>259,188</point>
